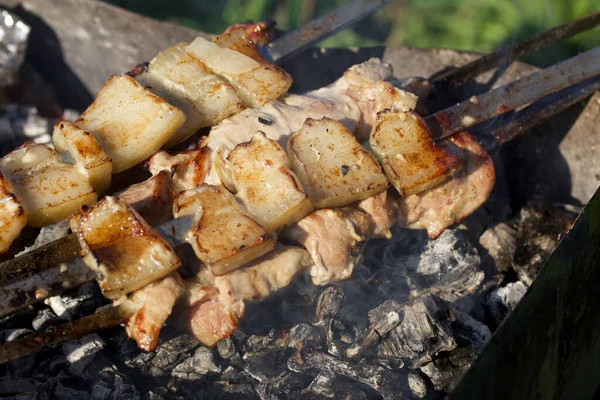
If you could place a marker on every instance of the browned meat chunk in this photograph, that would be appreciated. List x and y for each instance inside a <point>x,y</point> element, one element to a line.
<point>152,199</point>
<point>156,301</point>
<point>447,203</point>
<point>335,239</point>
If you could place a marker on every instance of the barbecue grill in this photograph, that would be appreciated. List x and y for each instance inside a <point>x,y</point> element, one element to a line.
<point>548,347</point>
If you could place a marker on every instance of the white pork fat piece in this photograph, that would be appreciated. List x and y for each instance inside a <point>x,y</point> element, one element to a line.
<point>354,99</point>
<point>125,251</point>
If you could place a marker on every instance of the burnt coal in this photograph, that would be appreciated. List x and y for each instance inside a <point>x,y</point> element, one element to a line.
<point>197,366</point>
<point>45,319</point>
<point>447,266</point>
<point>541,225</point>
<point>329,386</point>
<point>287,385</point>
<point>389,384</point>
<point>504,299</point>
<point>74,305</point>
<point>267,364</point>
<point>330,303</point>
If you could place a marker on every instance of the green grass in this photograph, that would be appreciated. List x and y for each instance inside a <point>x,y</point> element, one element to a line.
<point>477,25</point>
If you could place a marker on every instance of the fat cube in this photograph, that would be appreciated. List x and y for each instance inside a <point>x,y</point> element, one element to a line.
<point>224,236</point>
<point>49,190</point>
<point>85,152</point>
<point>266,185</point>
<point>187,83</point>
<point>27,158</point>
<point>256,82</point>
<point>333,167</point>
<point>13,216</point>
<point>129,122</point>
<point>412,161</point>
<point>125,251</point>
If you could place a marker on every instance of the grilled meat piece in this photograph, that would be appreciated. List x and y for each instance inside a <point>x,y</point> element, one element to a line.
<point>382,209</point>
<point>335,239</point>
<point>263,276</point>
<point>49,189</point>
<point>224,235</point>
<point>264,183</point>
<point>13,216</point>
<point>212,320</point>
<point>152,199</point>
<point>156,302</point>
<point>332,166</point>
<point>85,152</point>
<point>449,202</point>
<point>412,161</point>
<point>125,251</point>
<point>256,82</point>
<point>188,84</point>
<point>354,99</point>
<point>189,168</point>
<point>129,122</point>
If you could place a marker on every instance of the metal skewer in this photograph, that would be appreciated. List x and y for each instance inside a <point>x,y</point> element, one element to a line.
<point>507,54</point>
<point>515,94</point>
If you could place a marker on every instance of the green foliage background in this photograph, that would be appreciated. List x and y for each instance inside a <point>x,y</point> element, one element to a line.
<point>478,25</point>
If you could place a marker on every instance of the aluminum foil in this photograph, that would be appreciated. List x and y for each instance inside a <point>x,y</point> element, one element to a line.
<point>14,34</point>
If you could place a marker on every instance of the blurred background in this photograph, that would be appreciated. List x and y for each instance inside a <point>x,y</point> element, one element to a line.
<point>477,25</point>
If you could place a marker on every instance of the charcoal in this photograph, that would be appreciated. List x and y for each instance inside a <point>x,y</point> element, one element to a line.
<point>413,332</point>
<point>229,374</point>
<point>100,392</point>
<point>540,227</point>
<point>226,348</point>
<point>21,367</point>
<point>504,299</point>
<point>218,391</point>
<point>12,386</point>
<point>389,384</point>
<point>267,364</point>
<point>274,338</point>
<point>161,393</point>
<point>468,331</point>
<point>255,343</point>
<point>84,349</point>
<point>447,368</point>
<point>196,366</point>
<point>448,267</point>
<point>236,361</point>
<point>446,372</point>
<point>119,387</point>
<point>500,242</point>
<point>168,355</point>
<point>45,319</point>
<point>66,393</point>
<point>329,386</point>
<point>330,303</point>
<point>284,387</point>
<point>308,335</point>
<point>84,301</point>
<point>382,320</point>
<point>417,385</point>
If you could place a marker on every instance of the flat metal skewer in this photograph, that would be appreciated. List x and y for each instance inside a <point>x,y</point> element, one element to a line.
<point>508,53</point>
<point>516,94</point>
<point>320,28</point>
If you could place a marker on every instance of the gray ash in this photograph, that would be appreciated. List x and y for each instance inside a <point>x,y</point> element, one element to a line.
<point>408,324</point>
